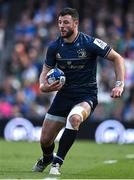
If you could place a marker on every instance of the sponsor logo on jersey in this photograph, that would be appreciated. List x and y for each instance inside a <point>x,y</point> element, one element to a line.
<point>100,43</point>
<point>69,62</point>
<point>58,56</point>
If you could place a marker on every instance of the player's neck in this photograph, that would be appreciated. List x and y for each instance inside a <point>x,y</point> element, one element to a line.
<point>71,38</point>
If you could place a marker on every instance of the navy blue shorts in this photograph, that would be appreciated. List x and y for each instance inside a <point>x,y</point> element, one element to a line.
<point>63,103</point>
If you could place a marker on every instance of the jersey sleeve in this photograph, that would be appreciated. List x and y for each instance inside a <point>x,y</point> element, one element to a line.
<point>50,59</point>
<point>100,48</point>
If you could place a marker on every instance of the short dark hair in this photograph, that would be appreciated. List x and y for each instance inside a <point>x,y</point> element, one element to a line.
<point>69,11</point>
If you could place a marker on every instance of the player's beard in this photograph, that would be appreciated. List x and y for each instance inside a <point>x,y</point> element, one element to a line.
<point>68,33</point>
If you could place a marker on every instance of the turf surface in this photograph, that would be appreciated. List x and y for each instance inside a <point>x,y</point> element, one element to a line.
<point>86,160</point>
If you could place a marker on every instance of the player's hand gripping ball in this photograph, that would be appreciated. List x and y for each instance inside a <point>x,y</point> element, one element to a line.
<point>56,74</point>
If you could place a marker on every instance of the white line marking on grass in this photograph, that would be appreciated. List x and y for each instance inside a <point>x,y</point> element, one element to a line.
<point>49,178</point>
<point>110,161</point>
<point>130,156</point>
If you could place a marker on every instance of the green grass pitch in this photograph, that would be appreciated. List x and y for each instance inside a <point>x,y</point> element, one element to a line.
<point>86,160</point>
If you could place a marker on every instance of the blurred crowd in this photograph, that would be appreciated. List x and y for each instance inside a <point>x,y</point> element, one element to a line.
<point>26,28</point>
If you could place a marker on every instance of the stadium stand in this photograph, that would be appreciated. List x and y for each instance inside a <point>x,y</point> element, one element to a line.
<point>26,28</point>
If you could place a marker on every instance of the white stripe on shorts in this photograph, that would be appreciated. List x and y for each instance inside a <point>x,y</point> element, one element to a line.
<point>55,118</point>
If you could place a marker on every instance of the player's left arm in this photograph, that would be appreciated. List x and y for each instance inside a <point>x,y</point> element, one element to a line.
<point>119,67</point>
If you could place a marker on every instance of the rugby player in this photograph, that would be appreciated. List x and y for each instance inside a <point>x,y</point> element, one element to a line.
<point>76,54</point>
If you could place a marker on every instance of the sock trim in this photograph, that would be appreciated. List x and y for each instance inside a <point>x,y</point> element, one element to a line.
<point>59,158</point>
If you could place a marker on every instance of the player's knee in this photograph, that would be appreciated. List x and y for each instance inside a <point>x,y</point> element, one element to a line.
<point>75,117</point>
<point>45,140</point>
<point>75,121</point>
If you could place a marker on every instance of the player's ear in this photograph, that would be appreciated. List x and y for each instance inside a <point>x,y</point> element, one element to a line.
<point>76,22</point>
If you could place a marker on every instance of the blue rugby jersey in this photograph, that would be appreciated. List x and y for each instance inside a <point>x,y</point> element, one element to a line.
<point>78,60</point>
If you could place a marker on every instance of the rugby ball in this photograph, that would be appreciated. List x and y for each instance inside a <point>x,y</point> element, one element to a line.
<point>56,74</point>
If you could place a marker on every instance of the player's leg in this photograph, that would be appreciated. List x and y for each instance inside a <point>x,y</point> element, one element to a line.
<point>50,129</point>
<point>77,115</point>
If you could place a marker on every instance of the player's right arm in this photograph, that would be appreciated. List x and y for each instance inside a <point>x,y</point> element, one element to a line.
<point>43,83</point>
<point>50,62</point>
